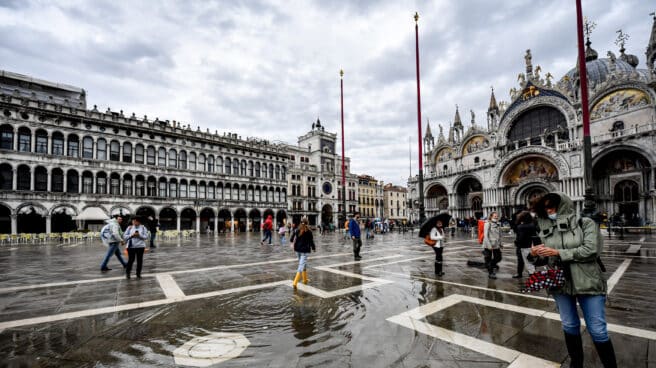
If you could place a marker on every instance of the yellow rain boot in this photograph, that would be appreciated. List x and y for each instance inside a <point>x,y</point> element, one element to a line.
<point>296,279</point>
<point>305,278</point>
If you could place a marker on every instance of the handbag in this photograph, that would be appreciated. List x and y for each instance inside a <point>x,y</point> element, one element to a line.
<point>550,279</point>
<point>428,241</point>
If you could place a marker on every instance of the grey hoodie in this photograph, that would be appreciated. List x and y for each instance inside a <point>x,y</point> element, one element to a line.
<point>116,232</point>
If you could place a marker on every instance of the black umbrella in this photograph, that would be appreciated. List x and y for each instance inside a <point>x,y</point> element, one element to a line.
<point>431,223</point>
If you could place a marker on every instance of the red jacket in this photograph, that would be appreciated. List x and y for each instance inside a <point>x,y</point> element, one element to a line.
<point>268,223</point>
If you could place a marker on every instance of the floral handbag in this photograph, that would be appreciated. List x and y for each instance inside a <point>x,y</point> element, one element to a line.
<point>550,279</point>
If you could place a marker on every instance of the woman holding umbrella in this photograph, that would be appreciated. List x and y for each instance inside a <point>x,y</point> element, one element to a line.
<point>433,233</point>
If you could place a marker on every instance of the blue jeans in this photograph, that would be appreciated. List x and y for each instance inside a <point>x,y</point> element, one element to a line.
<point>267,235</point>
<point>594,314</point>
<point>302,261</point>
<point>112,249</point>
<point>282,239</point>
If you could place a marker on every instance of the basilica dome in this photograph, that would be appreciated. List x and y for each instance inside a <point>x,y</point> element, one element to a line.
<point>599,69</point>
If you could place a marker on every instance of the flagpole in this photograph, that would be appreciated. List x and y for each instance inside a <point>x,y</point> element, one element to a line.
<point>341,99</point>
<point>422,215</point>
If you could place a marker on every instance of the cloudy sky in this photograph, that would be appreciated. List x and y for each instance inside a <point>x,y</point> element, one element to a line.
<point>270,68</point>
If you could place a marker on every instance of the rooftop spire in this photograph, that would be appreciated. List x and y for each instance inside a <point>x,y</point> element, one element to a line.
<point>590,53</point>
<point>493,102</point>
<point>456,120</point>
<point>428,130</point>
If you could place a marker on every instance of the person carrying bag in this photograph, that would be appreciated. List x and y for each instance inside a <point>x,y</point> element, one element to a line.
<point>573,246</point>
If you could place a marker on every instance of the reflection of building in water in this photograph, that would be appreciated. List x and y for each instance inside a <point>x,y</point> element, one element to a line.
<point>533,144</point>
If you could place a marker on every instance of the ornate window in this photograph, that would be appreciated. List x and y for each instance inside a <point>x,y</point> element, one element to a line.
<point>73,146</point>
<point>72,182</point>
<point>57,180</point>
<point>228,166</point>
<point>57,144</point>
<point>626,191</point>
<point>24,177</point>
<point>201,165</point>
<point>150,155</point>
<point>173,158</point>
<point>139,154</point>
<point>24,140</point>
<point>535,122</point>
<point>161,157</point>
<point>127,152</point>
<point>101,183</point>
<point>87,147</point>
<point>182,160</point>
<point>101,149</point>
<point>114,151</point>
<point>41,141</point>
<point>40,179</point>
<point>7,137</point>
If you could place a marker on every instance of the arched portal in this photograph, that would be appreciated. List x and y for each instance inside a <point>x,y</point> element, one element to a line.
<point>5,220</point>
<point>281,218</point>
<point>187,219</point>
<point>61,219</point>
<point>31,219</point>
<point>168,219</point>
<point>224,219</point>
<point>436,200</point>
<point>256,219</point>
<point>469,192</point>
<point>207,219</point>
<point>240,220</point>
<point>326,215</point>
<point>622,177</point>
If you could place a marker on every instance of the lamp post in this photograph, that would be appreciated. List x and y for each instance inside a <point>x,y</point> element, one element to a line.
<point>422,215</point>
<point>590,206</point>
<point>341,99</point>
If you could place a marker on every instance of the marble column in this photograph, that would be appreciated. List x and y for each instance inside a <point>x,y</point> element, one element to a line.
<point>232,223</point>
<point>216,225</point>
<point>48,224</point>
<point>14,224</point>
<point>178,224</point>
<point>198,223</point>
<point>14,183</point>
<point>49,183</point>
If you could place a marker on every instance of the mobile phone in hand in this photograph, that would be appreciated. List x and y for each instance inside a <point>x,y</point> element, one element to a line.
<point>535,240</point>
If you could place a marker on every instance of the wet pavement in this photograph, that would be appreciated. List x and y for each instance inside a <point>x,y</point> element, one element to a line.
<point>227,301</point>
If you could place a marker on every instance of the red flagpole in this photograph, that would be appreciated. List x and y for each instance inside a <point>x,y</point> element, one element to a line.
<point>422,215</point>
<point>341,99</point>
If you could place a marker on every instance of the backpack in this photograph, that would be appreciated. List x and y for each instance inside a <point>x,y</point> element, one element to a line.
<point>106,233</point>
<point>481,231</point>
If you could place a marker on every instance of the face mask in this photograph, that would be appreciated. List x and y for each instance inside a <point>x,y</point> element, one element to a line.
<point>494,220</point>
<point>533,214</point>
<point>553,216</point>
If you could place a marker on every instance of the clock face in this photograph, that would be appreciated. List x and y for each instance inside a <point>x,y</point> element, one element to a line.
<point>327,188</point>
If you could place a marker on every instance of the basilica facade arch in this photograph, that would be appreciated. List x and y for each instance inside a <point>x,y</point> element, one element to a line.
<point>533,144</point>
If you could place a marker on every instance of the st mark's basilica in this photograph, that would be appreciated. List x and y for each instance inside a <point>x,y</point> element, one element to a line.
<point>533,144</point>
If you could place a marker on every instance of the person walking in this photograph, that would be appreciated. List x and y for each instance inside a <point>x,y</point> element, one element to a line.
<point>135,236</point>
<point>525,231</point>
<point>346,230</point>
<point>437,234</point>
<point>152,225</point>
<point>354,229</point>
<point>492,244</point>
<point>268,228</point>
<point>576,245</point>
<point>303,245</point>
<point>281,231</point>
<point>112,236</point>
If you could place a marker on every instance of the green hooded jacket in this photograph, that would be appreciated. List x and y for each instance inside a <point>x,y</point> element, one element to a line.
<point>579,247</point>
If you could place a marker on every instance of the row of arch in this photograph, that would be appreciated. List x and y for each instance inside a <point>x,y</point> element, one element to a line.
<point>88,182</point>
<point>622,177</point>
<point>100,149</point>
<point>34,218</point>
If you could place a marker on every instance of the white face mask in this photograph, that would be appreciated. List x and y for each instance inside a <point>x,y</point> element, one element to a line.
<point>553,216</point>
<point>493,220</point>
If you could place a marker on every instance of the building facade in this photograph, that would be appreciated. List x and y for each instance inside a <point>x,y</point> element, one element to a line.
<point>395,202</point>
<point>315,178</point>
<point>65,167</point>
<point>368,200</point>
<point>534,143</point>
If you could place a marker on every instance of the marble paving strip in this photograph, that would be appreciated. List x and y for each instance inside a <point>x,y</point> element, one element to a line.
<point>619,272</point>
<point>170,287</point>
<point>131,306</point>
<point>220,267</point>
<point>634,248</point>
<point>432,256</point>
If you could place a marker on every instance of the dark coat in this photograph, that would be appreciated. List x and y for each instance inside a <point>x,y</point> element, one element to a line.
<point>525,234</point>
<point>304,243</point>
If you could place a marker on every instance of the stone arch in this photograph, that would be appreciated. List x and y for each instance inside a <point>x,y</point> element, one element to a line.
<point>224,217</point>
<point>61,218</point>
<point>511,115</point>
<point>240,219</point>
<point>207,219</point>
<point>527,168</point>
<point>188,218</point>
<point>31,218</point>
<point>556,158</point>
<point>435,196</point>
<point>256,219</point>
<point>168,218</point>
<point>5,218</point>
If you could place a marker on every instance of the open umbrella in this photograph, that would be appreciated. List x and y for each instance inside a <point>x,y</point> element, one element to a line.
<point>430,223</point>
